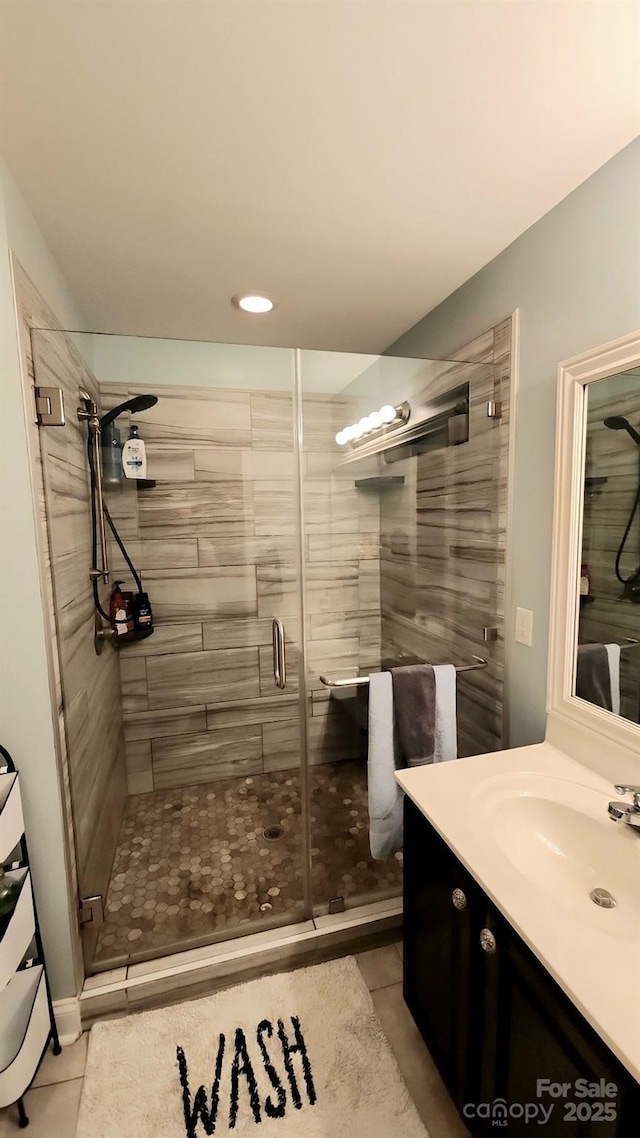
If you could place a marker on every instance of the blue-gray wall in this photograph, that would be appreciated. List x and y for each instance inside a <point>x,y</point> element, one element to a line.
<point>575,277</point>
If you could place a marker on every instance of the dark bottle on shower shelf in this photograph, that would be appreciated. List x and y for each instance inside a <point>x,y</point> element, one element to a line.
<point>142,613</point>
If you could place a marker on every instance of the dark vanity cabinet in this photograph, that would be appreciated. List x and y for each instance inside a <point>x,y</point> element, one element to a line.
<point>492,1017</point>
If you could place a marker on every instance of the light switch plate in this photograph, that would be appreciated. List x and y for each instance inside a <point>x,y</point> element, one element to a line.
<point>524,626</point>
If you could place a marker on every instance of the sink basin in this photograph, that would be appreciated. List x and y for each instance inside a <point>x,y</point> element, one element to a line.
<point>559,836</point>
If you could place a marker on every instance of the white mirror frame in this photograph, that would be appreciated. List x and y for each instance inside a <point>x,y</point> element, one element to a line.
<point>565,710</point>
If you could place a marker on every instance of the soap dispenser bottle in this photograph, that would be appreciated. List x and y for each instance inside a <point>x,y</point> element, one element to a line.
<point>134,457</point>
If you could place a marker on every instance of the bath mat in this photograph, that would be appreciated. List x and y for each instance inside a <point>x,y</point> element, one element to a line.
<point>297,1055</point>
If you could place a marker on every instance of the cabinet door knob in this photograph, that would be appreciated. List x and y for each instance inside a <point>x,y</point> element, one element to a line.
<point>488,941</point>
<point>459,899</point>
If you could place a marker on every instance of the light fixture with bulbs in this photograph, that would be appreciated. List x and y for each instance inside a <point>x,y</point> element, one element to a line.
<point>387,416</point>
<point>257,303</point>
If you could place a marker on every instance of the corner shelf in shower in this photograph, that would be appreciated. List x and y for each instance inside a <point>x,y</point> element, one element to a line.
<point>379,482</point>
<point>27,1024</point>
<point>131,638</point>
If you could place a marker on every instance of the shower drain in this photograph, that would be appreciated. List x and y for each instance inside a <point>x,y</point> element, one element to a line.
<point>272,833</point>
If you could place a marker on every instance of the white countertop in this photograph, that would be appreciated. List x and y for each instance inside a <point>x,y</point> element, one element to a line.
<point>593,953</point>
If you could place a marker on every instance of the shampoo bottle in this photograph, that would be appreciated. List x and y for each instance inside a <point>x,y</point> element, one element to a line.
<point>119,611</point>
<point>134,458</point>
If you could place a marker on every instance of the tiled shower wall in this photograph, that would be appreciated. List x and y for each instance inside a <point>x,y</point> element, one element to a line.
<point>605,617</point>
<point>214,541</point>
<point>443,535</point>
<point>87,686</point>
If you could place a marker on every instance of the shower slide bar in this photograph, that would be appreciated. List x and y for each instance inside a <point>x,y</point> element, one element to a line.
<point>361,681</point>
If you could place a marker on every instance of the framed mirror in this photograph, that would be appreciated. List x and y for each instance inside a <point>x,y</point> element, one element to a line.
<point>594,657</point>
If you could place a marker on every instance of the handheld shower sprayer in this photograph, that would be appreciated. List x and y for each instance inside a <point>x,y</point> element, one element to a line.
<point>618,423</point>
<point>631,583</point>
<point>96,424</point>
<point>133,405</point>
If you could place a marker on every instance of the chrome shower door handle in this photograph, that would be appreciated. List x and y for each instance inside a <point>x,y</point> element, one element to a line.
<point>279,658</point>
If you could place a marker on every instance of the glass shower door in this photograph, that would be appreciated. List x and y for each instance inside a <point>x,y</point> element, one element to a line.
<point>184,755</point>
<point>404,553</point>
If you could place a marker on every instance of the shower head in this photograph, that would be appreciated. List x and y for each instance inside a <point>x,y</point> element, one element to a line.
<point>617,423</point>
<point>136,403</point>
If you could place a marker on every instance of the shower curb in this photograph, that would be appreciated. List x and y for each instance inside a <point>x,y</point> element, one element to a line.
<point>191,974</point>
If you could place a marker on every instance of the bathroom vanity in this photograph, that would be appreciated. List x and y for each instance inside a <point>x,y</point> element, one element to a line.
<point>522,867</point>
<point>512,973</point>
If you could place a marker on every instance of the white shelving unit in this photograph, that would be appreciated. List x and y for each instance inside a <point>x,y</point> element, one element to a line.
<point>27,1025</point>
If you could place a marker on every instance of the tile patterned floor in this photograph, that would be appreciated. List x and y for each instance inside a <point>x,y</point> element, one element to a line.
<point>53,1105</point>
<point>194,862</point>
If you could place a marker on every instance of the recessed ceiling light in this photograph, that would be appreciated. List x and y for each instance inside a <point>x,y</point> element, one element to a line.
<point>254,302</point>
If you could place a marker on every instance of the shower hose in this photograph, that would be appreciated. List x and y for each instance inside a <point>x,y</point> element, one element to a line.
<point>94,542</point>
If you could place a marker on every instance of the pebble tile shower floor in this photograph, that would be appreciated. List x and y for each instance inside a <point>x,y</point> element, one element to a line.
<point>194,862</point>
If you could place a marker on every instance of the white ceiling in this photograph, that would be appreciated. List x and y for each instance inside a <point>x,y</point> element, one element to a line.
<point>358,160</point>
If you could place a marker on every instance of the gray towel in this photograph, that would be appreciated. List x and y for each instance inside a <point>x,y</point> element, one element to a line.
<point>414,705</point>
<point>593,680</point>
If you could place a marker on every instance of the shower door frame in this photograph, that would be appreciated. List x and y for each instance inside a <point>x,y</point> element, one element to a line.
<point>303,695</point>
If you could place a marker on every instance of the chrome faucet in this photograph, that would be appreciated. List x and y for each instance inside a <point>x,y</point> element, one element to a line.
<point>628,812</point>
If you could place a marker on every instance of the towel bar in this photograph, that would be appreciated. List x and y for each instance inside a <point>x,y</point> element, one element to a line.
<point>360,681</point>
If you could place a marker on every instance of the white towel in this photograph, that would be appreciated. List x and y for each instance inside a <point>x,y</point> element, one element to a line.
<point>613,655</point>
<point>446,737</point>
<point>385,796</point>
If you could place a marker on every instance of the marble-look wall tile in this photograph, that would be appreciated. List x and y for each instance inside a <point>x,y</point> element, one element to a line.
<point>193,506</point>
<point>196,417</point>
<point>351,546</point>
<point>200,594</point>
<point>167,465</point>
<point>240,713</point>
<point>237,632</point>
<point>246,550</point>
<point>167,639</point>
<point>335,658</point>
<point>330,587</point>
<point>189,759</point>
<point>139,771</point>
<point>443,539</point>
<point>160,723</point>
<point>281,745</point>
<point>369,584</point>
<point>274,508</point>
<point>271,420</point>
<point>333,736</point>
<point>332,507</point>
<point>215,465</point>
<point>156,554</point>
<point>202,677</point>
<point>133,677</point>
<point>140,782</point>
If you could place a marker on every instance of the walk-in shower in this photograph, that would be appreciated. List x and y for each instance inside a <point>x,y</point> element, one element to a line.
<point>213,791</point>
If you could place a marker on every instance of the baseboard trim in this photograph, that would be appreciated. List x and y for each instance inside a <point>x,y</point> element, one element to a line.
<point>68,1020</point>
<point>191,974</point>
